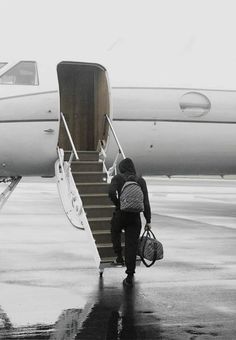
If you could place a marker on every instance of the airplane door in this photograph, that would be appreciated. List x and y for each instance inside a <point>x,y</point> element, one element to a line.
<point>84,100</point>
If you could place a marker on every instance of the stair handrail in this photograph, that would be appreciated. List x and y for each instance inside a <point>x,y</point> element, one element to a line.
<point>115,136</point>
<point>74,152</point>
<point>113,169</point>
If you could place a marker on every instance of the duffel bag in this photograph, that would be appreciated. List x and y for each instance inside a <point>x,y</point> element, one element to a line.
<point>149,248</point>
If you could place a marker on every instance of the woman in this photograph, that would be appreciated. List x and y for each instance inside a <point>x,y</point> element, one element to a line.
<point>129,221</point>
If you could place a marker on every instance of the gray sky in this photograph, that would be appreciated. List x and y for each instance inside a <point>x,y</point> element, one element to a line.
<point>149,42</point>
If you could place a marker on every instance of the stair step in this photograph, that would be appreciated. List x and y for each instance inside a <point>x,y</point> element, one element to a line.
<point>86,166</point>
<point>99,210</point>
<point>92,188</point>
<point>95,199</point>
<point>106,250</point>
<point>90,177</point>
<point>108,260</point>
<point>88,155</point>
<point>83,155</point>
<point>104,236</point>
<point>99,223</point>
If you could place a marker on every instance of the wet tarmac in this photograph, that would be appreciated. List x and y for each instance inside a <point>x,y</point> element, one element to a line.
<point>50,288</point>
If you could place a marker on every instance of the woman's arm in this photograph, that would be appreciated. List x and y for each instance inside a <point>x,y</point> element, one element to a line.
<point>147,208</point>
<point>113,191</point>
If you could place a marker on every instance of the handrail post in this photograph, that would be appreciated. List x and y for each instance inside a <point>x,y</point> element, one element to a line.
<point>69,136</point>
<point>115,136</point>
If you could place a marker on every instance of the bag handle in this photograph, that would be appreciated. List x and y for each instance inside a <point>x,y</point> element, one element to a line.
<point>149,234</point>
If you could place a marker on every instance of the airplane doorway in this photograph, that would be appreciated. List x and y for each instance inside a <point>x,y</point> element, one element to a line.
<point>84,100</point>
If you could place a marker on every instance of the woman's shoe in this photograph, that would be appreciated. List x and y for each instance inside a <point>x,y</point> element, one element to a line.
<point>129,281</point>
<point>119,261</point>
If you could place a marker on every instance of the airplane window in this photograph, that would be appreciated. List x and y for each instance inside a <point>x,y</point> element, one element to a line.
<point>24,73</point>
<point>2,64</point>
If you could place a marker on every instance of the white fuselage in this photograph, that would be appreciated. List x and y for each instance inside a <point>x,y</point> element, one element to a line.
<point>167,140</point>
<point>29,126</point>
<point>167,131</point>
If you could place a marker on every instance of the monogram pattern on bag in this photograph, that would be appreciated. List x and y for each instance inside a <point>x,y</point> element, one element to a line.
<point>131,198</point>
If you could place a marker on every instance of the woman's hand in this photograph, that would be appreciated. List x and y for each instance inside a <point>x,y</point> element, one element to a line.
<point>147,226</point>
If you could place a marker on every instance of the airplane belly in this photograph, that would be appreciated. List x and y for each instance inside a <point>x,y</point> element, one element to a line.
<point>28,148</point>
<point>178,148</point>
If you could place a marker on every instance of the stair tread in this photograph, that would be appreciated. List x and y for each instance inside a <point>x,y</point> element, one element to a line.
<point>88,151</point>
<point>98,219</point>
<point>86,162</point>
<point>88,172</point>
<point>108,259</point>
<point>99,206</point>
<point>94,195</point>
<point>83,151</point>
<point>86,155</point>
<point>91,183</point>
<point>101,232</point>
<point>106,245</point>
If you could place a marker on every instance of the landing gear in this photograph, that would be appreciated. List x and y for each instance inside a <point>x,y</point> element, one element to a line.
<point>101,270</point>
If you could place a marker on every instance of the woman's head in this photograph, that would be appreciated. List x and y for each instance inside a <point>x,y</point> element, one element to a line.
<point>127,166</point>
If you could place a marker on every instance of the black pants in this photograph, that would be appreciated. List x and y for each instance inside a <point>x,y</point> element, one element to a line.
<point>131,223</point>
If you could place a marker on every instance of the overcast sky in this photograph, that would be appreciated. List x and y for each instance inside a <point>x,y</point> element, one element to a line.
<point>163,43</point>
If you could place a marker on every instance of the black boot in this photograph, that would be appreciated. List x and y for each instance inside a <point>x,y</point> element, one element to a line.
<point>119,261</point>
<point>129,281</point>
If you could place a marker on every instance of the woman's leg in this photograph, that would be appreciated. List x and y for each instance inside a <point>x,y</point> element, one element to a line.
<point>132,232</point>
<point>116,229</point>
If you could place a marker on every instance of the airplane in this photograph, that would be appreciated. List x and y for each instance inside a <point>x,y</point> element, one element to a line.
<point>54,115</point>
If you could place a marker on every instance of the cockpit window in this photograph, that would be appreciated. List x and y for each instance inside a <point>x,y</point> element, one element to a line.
<point>23,73</point>
<point>2,64</point>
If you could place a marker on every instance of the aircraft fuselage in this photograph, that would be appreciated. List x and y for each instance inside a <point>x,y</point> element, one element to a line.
<point>167,131</point>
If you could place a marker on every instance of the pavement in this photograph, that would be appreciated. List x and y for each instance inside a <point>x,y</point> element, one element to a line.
<point>50,288</point>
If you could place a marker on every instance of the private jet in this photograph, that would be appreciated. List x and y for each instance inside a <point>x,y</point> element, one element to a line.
<point>66,119</point>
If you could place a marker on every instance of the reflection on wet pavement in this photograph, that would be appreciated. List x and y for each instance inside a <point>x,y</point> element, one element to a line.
<point>114,316</point>
<point>111,314</point>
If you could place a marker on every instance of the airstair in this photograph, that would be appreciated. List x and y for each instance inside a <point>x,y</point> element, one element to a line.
<point>83,181</point>
<point>92,185</point>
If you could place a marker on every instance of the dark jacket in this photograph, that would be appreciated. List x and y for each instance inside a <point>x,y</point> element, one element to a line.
<point>127,171</point>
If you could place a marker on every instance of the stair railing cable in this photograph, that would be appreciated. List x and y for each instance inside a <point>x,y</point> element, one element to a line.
<point>74,152</point>
<point>113,169</point>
